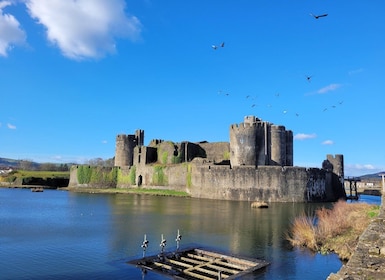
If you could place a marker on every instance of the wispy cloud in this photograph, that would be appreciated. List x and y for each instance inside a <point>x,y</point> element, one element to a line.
<point>362,169</point>
<point>303,136</point>
<point>356,71</point>
<point>11,126</point>
<point>328,142</point>
<point>329,88</point>
<point>11,33</point>
<point>84,29</point>
<point>104,141</point>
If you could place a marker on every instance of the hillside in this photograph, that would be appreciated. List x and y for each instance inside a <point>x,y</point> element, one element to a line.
<point>372,176</point>
<point>6,162</point>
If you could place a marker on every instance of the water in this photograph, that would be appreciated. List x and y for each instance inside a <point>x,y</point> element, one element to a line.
<point>63,235</point>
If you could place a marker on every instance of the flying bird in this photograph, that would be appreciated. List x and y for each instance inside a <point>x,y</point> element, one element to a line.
<point>216,47</point>
<point>308,78</point>
<point>318,16</point>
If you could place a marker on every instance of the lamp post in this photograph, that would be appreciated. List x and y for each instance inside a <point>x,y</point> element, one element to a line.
<point>383,183</point>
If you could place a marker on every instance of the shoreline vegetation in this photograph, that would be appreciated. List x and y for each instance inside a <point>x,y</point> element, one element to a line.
<point>154,191</point>
<point>333,230</point>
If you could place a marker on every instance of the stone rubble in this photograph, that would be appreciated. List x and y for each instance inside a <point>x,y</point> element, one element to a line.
<point>368,260</point>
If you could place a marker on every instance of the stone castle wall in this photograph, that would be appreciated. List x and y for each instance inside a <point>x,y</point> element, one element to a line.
<point>247,183</point>
<point>257,164</point>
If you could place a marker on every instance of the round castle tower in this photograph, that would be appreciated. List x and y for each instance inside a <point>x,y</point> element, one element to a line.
<point>243,139</point>
<point>125,144</point>
<point>256,142</point>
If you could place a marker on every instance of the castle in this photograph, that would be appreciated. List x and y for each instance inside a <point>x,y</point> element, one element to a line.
<point>257,164</point>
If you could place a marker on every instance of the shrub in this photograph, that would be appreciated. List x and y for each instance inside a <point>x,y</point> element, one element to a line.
<point>303,232</point>
<point>336,229</point>
<point>159,178</point>
<point>132,175</point>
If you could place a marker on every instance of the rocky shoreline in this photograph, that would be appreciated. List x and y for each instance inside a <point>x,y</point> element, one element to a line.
<point>368,259</point>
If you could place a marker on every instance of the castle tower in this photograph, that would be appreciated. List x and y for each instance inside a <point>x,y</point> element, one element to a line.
<point>256,142</point>
<point>124,150</point>
<point>289,148</point>
<point>337,163</point>
<point>278,145</point>
<point>247,147</point>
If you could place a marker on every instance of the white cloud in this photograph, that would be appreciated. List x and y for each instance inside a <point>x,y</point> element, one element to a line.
<point>11,126</point>
<point>11,33</point>
<point>361,169</point>
<point>303,136</point>
<point>327,142</point>
<point>328,88</point>
<point>104,141</point>
<point>84,28</point>
<point>356,71</point>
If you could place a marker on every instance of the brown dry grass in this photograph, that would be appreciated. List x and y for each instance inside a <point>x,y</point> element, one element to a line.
<point>336,229</point>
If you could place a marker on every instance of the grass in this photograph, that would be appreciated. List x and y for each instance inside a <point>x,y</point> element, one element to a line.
<point>333,230</point>
<point>162,192</point>
<point>42,174</point>
<point>20,174</point>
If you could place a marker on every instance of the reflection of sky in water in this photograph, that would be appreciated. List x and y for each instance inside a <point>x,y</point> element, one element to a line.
<point>66,234</point>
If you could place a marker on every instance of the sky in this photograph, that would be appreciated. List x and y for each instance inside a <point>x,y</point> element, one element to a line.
<point>75,74</point>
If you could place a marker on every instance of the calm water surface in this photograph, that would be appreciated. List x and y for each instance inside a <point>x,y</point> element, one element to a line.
<point>63,235</point>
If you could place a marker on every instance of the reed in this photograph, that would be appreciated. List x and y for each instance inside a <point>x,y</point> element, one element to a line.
<point>333,230</point>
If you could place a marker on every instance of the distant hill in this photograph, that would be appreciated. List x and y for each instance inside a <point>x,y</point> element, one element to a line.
<point>9,162</point>
<point>372,176</point>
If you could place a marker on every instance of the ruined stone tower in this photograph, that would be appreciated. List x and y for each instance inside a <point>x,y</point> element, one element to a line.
<point>335,164</point>
<point>125,144</point>
<point>256,142</point>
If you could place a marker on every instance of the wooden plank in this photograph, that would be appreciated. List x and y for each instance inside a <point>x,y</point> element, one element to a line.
<point>221,268</point>
<point>180,263</point>
<point>233,265</point>
<point>199,276</point>
<point>198,257</point>
<point>191,260</point>
<point>211,272</point>
<point>230,258</point>
<point>198,264</point>
<point>162,265</point>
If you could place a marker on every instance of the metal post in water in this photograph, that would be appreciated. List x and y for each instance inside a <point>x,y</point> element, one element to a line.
<point>145,245</point>
<point>178,239</point>
<point>162,244</point>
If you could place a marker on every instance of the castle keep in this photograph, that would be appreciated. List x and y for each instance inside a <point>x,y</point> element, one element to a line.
<point>256,142</point>
<point>257,164</point>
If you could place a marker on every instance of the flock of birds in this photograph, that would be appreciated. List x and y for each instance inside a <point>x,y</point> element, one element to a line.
<point>308,77</point>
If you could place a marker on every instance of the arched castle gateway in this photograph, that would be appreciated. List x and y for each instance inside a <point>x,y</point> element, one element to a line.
<point>257,164</point>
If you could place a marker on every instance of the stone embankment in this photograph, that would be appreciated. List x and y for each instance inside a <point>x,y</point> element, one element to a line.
<point>368,259</point>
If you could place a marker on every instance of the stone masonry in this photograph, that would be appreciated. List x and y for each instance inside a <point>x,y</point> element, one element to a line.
<point>368,260</point>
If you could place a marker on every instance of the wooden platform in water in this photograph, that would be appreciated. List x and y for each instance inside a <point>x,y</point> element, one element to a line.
<point>192,264</point>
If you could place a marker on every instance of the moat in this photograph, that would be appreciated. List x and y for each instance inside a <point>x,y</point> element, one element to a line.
<point>64,235</point>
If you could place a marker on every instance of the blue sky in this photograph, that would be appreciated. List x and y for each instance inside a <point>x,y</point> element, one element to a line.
<point>74,74</point>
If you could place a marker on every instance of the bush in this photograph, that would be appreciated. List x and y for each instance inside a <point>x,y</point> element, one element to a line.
<point>159,178</point>
<point>336,229</point>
